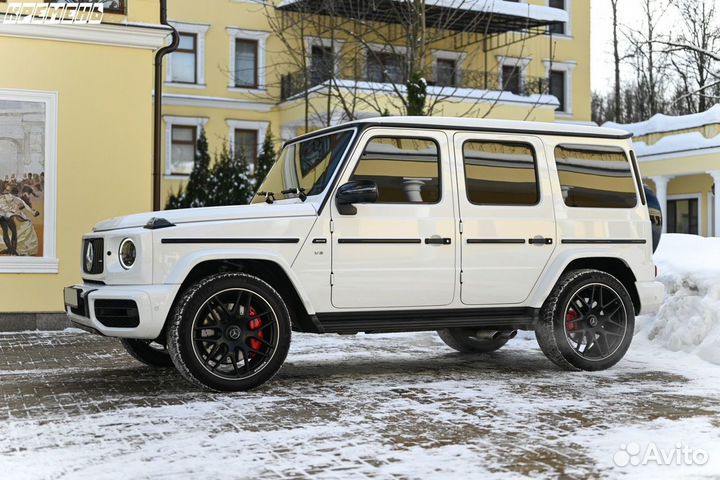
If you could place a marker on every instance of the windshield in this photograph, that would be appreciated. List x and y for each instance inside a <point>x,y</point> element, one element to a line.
<point>308,164</point>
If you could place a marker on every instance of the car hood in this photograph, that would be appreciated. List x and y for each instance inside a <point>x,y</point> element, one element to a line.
<point>210,214</point>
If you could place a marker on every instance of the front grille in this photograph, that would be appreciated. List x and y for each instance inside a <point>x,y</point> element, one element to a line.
<point>117,313</point>
<point>97,256</point>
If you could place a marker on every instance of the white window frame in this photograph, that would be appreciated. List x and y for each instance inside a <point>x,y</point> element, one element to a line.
<point>49,262</point>
<point>569,69</point>
<point>260,127</point>
<point>568,25</point>
<point>522,62</point>
<point>459,58</point>
<point>198,122</point>
<point>200,31</point>
<point>383,48</point>
<point>261,38</point>
<point>336,45</point>
<point>701,209</point>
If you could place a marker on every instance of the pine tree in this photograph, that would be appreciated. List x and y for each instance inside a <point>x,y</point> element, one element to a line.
<point>416,95</point>
<point>266,159</point>
<point>195,192</point>
<point>230,182</point>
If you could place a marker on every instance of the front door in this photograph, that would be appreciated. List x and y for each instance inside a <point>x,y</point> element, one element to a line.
<point>401,250</point>
<point>508,221</point>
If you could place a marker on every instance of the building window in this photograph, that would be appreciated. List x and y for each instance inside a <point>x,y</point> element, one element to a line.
<point>558,88</point>
<point>246,144</point>
<point>558,28</point>
<point>322,63</point>
<point>246,63</point>
<point>385,67</point>
<point>182,156</point>
<point>683,216</point>
<point>511,79</point>
<point>446,74</point>
<point>500,173</point>
<point>247,59</point>
<point>184,60</point>
<point>405,169</point>
<point>595,177</point>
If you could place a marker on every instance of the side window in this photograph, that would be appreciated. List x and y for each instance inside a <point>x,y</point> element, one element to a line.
<point>595,177</point>
<point>405,169</point>
<point>499,173</point>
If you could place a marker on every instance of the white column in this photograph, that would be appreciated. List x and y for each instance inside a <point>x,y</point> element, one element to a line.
<point>661,184</point>
<point>716,178</point>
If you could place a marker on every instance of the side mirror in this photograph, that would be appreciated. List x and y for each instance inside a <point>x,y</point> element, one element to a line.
<point>359,191</point>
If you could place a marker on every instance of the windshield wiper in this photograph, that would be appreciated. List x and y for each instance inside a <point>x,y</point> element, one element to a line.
<point>300,192</point>
<point>269,196</point>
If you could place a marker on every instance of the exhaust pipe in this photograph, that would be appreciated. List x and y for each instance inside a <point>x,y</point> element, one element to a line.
<point>490,335</point>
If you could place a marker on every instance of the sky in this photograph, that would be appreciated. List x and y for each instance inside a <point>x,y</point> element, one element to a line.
<point>602,71</point>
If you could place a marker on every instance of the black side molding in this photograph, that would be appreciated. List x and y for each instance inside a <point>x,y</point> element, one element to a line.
<point>379,240</point>
<point>230,240</point>
<point>488,241</point>
<point>603,242</point>
<point>156,223</point>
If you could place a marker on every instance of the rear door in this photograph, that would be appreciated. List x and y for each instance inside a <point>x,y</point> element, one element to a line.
<point>507,215</point>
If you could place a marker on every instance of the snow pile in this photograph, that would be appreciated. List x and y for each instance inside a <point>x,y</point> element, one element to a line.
<point>667,123</point>
<point>686,142</point>
<point>689,320</point>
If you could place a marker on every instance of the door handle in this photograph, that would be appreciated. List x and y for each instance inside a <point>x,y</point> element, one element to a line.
<point>540,240</point>
<point>437,241</point>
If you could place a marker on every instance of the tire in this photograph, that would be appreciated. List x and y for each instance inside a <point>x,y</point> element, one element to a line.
<point>144,352</point>
<point>229,332</point>
<point>587,322</point>
<point>465,340</point>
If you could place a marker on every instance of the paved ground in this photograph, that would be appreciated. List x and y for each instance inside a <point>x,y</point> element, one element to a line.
<point>400,406</point>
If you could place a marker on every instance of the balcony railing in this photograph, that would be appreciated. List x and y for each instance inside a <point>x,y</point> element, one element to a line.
<point>297,82</point>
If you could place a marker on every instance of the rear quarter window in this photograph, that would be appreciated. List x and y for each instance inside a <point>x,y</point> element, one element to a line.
<point>595,177</point>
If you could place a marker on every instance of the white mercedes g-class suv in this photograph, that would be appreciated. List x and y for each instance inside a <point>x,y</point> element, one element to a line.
<point>474,228</point>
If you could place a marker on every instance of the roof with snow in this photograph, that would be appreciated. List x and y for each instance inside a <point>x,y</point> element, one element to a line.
<point>665,123</point>
<point>478,16</point>
<point>693,143</point>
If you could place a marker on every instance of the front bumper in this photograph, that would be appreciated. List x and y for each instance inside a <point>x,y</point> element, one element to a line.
<point>120,311</point>
<point>652,295</point>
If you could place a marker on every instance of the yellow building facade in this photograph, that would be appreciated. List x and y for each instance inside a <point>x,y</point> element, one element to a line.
<point>680,160</point>
<point>76,107</point>
<point>75,146</point>
<point>236,71</point>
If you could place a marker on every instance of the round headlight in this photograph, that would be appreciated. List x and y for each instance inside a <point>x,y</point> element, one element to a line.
<point>89,256</point>
<point>127,253</point>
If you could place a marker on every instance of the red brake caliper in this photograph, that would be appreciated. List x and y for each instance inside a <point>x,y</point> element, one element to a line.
<point>255,323</point>
<point>570,318</point>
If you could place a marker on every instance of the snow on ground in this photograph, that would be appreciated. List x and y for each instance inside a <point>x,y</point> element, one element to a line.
<point>75,406</point>
<point>689,320</point>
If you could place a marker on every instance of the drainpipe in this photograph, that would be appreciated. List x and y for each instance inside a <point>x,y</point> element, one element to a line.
<point>157,114</point>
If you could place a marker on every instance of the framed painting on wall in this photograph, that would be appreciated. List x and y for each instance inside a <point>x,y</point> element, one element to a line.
<point>28,171</point>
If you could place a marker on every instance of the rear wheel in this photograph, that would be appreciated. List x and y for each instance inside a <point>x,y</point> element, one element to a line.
<point>587,323</point>
<point>150,353</point>
<point>473,340</point>
<point>229,332</point>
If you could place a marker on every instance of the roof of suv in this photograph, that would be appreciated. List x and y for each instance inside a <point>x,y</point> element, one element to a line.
<point>479,124</point>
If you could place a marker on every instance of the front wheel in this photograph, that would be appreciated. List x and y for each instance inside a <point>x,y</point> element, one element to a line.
<point>587,322</point>
<point>150,353</point>
<point>229,332</point>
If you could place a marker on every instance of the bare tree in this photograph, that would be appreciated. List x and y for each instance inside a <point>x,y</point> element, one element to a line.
<point>694,53</point>
<point>365,62</point>
<point>617,101</point>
